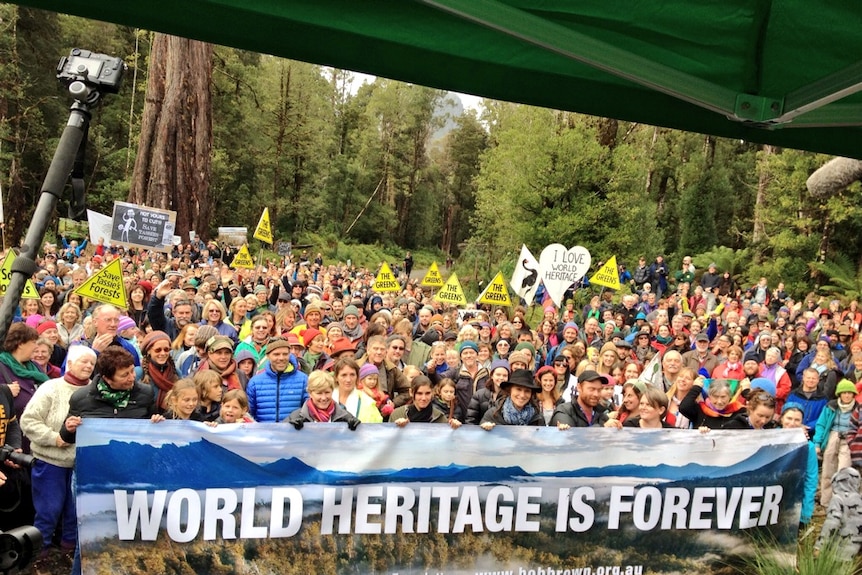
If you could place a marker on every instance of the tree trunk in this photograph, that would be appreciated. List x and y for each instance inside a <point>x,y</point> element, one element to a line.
<point>759,230</point>
<point>172,170</point>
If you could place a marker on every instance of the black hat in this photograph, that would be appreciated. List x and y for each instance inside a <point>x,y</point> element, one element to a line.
<point>523,378</point>
<point>590,375</point>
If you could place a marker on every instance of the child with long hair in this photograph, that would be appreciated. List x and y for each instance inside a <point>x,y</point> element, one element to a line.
<point>210,391</point>
<point>182,401</point>
<point>445,400</point>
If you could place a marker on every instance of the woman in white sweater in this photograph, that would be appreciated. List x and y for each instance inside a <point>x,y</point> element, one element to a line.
<point>52,474</point>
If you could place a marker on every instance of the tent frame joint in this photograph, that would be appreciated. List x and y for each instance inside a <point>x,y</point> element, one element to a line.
<point>757,109</point>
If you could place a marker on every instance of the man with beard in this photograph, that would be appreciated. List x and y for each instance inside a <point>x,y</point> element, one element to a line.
<point>182,311</point>
<point>586,410</point>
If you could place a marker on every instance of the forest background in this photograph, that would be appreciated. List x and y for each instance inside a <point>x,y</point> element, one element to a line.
<point>368,172</point>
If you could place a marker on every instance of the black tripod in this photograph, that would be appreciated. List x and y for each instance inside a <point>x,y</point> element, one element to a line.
<point>87,75</point>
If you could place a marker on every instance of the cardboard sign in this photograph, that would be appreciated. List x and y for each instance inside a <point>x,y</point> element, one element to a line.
<point>560,267</point>
<point>607,276</point>
<point>433,277</point>
<point>496,292</point>
<point>243,259</point>
<point>143,227</point>
<point>30,291</point>
<point>451,292</point>
<point>283,248</point>
<point>386,280</point>
<point>233,236</point>
<point>107,286</point>
<point>263,232</point>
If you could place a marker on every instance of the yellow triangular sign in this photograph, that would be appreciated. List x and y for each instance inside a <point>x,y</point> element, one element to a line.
<point>433,277</point>
<point>386,280</point>
<point>243,259</point>
<point>30,291</point>
<point>496,292</point>
<point>451,292</point>
<point>607,276</point>
<point>263,232</point>
<point>107,286</point>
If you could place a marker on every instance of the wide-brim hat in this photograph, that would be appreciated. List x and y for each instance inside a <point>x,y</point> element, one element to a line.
<point>522,378</point>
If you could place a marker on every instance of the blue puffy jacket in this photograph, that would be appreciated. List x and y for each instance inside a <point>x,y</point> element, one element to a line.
<point>273,396</point>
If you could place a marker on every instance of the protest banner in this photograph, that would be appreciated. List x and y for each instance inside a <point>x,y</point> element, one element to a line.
<point>143,227</point>
<point>496,292</point>
<point>383,499</point>
<point>233,236</point>
<point>386,280</point>
<point>73,229</point>
<point>451,292</point>
<point>30,291</point>
<point>608,275</point>
<point>106,286</point>
<point>263,231</point>
<point>243,259</point>
<point>433,277</point>
<point>100,227</point>
<point>525,279</point>
<point>560,268</point>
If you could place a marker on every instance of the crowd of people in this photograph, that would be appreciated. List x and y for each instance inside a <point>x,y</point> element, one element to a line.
<point>301,341</point>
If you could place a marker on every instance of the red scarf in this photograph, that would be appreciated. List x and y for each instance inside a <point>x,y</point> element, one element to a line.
<point>76,381</point>
<point>228,377</point>
<point>321,415</point>
<point>163,377</point>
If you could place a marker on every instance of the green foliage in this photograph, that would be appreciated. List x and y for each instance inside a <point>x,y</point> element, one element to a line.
<point>843,278</point>
<point>360,166</point>
<point>766,560</point>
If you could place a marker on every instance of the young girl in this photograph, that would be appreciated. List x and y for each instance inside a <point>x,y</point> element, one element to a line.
<point>234,408</point>
<point>369,378</point>
<point>210,391</point>
<point>444,399</point>
<point>246,363</point>
<point>182,401</point>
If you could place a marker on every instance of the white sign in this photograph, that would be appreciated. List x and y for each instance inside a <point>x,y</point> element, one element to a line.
<point>560,267</point>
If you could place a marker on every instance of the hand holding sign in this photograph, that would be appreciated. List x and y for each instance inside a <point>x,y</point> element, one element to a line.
<point>560,267</point>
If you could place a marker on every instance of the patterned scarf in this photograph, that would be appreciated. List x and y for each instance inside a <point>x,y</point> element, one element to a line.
<point>321,415</point>
<point>118,399</point>
<point>513,416</point>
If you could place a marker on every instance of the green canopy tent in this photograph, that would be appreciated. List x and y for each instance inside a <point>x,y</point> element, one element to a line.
<point>786,73</point>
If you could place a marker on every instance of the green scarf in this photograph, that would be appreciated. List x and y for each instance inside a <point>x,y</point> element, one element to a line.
<point>27,370</point>
<point>117,399</point>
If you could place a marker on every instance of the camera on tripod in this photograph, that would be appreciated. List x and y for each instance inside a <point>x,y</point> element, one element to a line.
<point>22,459</point>
<point>98,71</point>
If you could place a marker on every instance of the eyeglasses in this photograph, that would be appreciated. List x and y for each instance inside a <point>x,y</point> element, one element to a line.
<point>396,348</point>
<point>161,350</point>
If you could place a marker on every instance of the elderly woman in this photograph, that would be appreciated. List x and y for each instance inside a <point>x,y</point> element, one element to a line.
<point>320,407</point>
<point>113,394</point>
<point>55,458</point>
<point>517,404</point>
<point>717,410</point>
<point>214,314</point>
